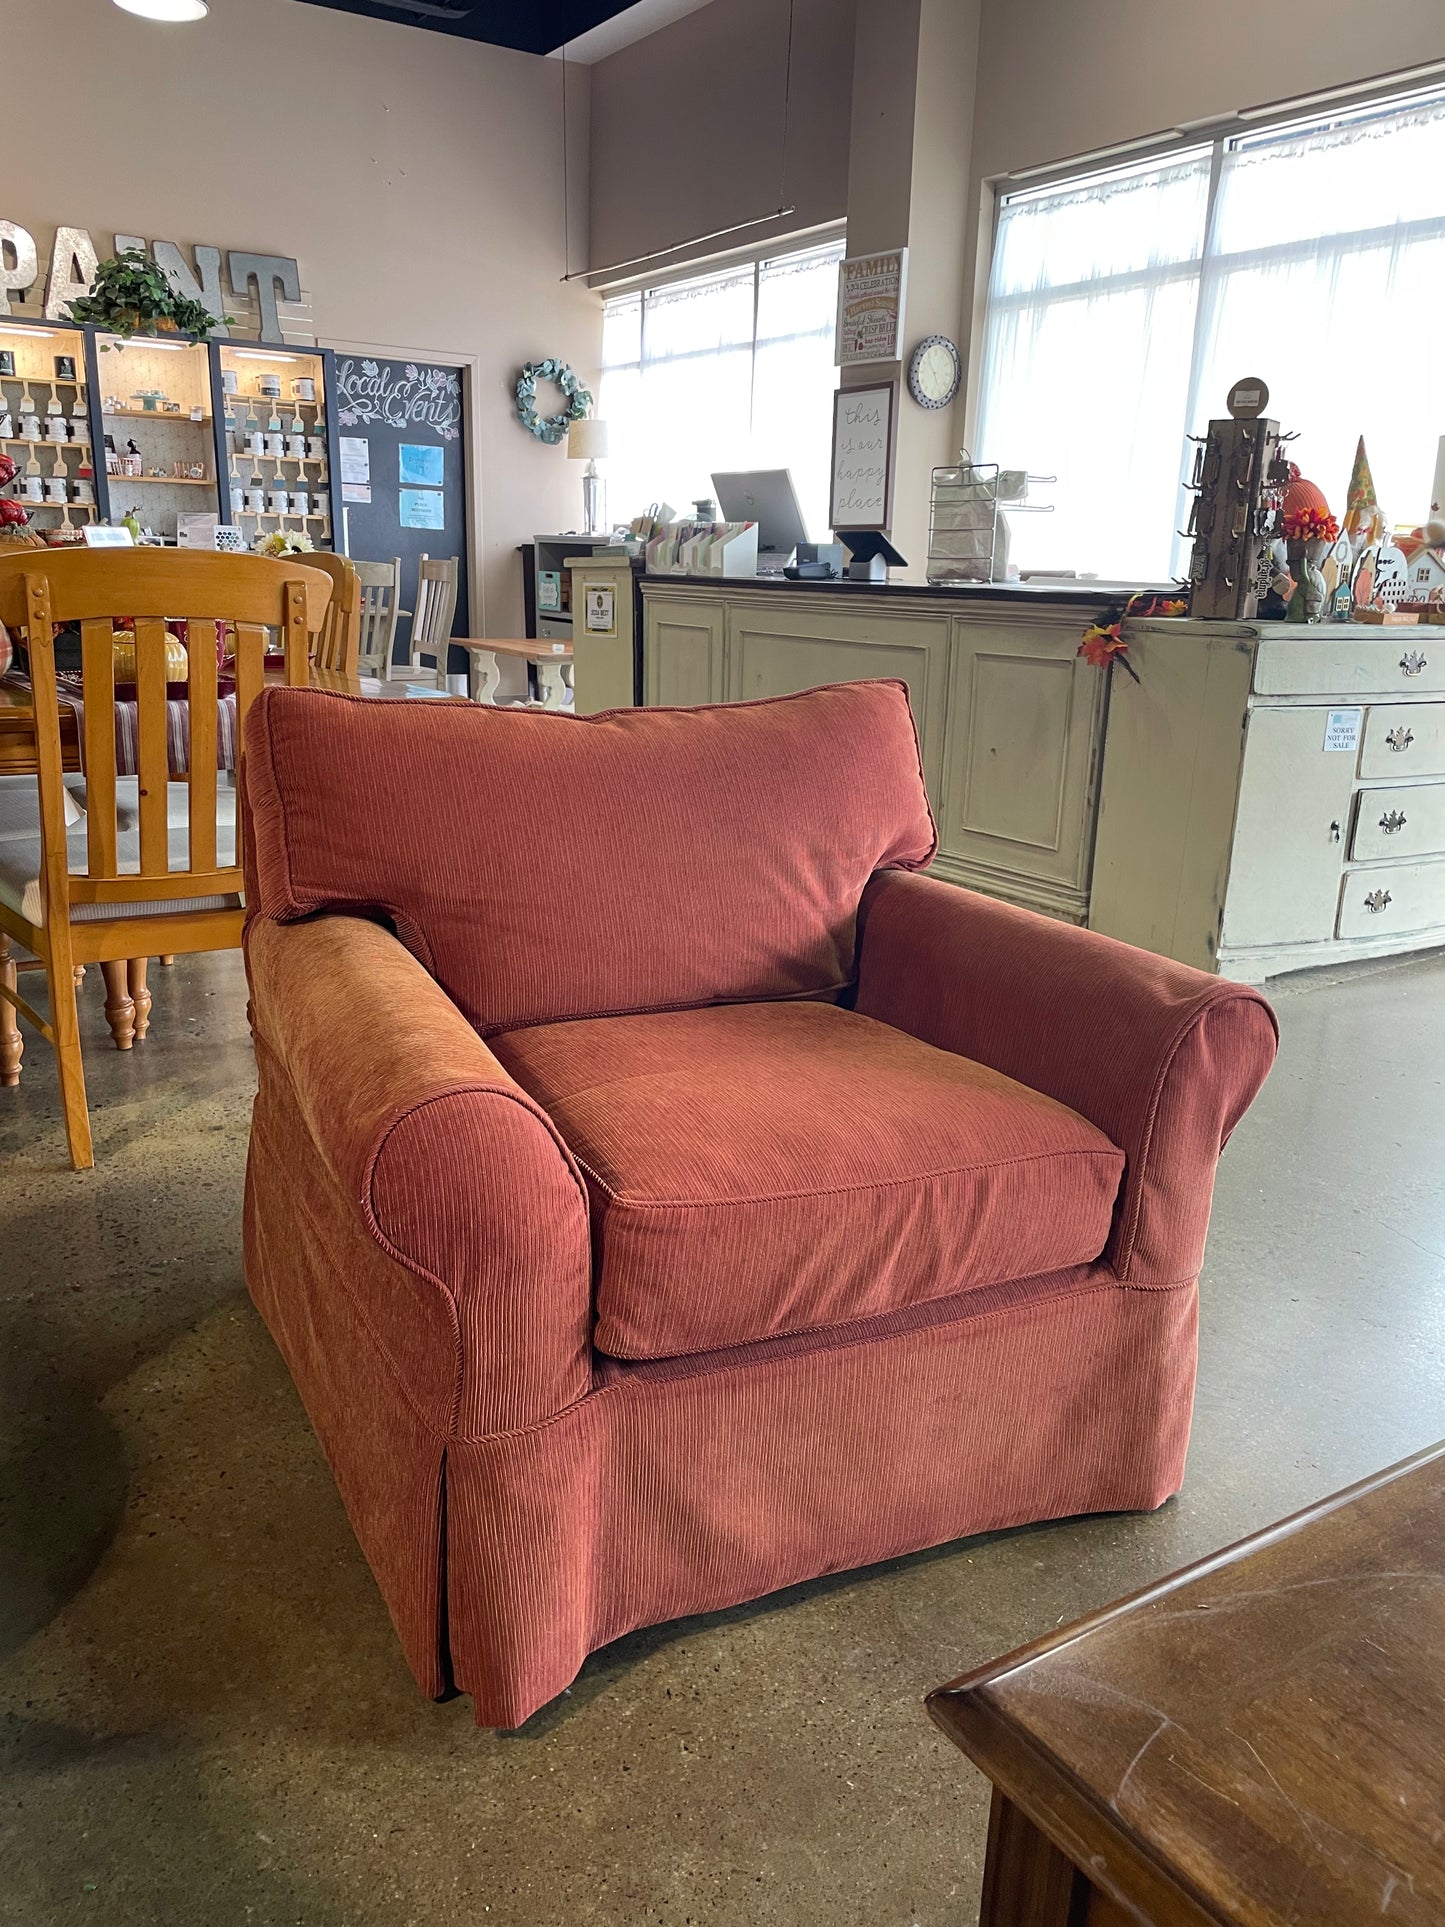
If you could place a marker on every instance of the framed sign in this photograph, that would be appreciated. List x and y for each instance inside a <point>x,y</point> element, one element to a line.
<point>871,290</point>
<point>600,602</point>
<point>860,491</point>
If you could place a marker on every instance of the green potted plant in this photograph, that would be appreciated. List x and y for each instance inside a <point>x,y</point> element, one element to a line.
<point>130,296</point>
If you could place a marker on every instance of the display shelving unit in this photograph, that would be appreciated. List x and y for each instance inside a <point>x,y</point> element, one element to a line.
<point>178,431</point>
<point>277,445</point>
<point>206,402</point>
<point>60,457</point>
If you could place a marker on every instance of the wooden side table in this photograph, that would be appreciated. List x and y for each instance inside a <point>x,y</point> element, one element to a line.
<point>1258,1741</point>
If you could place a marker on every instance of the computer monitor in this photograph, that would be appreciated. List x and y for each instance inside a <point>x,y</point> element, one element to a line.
<point>765,496</point>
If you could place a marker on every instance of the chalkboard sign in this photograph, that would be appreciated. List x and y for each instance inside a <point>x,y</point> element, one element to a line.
<point>861,490</point>
<point>402,470</point>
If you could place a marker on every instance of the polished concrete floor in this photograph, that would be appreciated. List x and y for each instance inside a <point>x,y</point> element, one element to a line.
<point>206,1718</point>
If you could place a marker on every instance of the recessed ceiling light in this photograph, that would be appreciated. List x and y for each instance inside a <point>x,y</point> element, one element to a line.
<point>166,9</point>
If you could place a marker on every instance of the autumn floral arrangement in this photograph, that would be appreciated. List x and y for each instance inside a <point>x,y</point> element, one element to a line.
<point>1104,645</point>
<point>1310,523</point>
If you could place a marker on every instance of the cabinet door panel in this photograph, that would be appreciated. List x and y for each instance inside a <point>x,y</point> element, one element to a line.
<point>774,650</point>
<point>1025,717</point>
<point>683,652</point>
<point>1289,833</point>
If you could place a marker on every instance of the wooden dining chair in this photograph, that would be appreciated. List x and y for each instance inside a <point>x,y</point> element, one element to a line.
<point>155,866</point>
<point>436,607</point>
<point>380,608</point>
<point>339,644</point>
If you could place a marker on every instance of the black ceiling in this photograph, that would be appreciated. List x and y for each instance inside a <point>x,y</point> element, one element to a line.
<point>533,26</point>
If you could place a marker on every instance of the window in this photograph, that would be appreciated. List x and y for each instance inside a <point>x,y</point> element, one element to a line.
<point>1123,306</point>
<point>732,369</point>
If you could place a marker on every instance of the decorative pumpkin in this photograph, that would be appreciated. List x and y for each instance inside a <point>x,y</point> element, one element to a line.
<point>1304,495</point>
<point>14,535</point>
<point>123,657</point>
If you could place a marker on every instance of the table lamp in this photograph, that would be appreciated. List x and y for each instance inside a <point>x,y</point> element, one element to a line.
<point>586,441</point>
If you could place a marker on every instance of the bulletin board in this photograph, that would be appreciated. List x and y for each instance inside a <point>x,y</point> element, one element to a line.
<point>402,480</point>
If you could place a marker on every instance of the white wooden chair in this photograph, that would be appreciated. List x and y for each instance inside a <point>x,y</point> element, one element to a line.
<point>436,605</point>
<point>380,608</point>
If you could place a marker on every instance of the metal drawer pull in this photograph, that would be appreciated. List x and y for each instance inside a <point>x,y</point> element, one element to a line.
<point>1412,662</point>
<point>1400,738</point>
<point>1376,901</point>
<point>1394,820</point>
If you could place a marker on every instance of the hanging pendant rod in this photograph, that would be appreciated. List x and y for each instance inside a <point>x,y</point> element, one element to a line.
<point>696,241</point>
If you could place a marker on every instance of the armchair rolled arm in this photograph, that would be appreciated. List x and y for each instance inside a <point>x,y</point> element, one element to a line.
<point>1162,1058</point>
<point>453,1170</point>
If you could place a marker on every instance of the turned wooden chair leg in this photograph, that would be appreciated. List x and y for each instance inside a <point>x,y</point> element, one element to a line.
<point>168,956</point>
<point>12,1044</point>
<point>119,1009</point>
<point>66,1026</point>
<point>139,995</point>
<point>79,974</point>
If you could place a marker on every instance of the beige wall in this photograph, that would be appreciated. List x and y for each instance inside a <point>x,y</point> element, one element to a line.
<point>687,124</point>
<point>417,179</point>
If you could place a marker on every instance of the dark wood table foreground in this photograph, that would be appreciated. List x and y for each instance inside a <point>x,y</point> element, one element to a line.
<point>1258,1740</point>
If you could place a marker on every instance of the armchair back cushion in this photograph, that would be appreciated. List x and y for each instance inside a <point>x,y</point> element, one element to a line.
<point>545,867</point>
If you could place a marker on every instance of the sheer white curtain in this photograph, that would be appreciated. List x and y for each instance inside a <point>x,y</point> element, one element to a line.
<point>1086,360</point>
<point>1326,275</point>
<point>728,370</point>
<point>1122,308</point>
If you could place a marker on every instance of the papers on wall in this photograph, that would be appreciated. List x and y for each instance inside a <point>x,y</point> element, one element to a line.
<point>422,464</point>
<point>422,508</point>
<point>355,468</point>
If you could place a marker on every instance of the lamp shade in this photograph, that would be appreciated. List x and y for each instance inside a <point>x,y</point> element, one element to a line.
<point>586,440</point>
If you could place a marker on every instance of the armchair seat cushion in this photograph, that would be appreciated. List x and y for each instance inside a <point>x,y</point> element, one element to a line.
<point>762,1169</point>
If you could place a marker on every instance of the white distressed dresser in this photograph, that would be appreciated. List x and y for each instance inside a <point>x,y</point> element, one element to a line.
<point>1273,795</point>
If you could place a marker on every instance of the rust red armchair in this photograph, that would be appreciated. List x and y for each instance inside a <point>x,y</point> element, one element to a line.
<point>703,1201</point>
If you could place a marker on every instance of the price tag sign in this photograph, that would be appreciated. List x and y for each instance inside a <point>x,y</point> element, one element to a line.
<point>1342,728</point>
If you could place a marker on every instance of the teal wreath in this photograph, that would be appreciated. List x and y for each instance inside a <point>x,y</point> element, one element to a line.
<point>550,428</point>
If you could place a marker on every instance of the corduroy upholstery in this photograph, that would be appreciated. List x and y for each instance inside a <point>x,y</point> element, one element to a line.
<point>431,1239</point>
<point>646,902</point>
<point>799,1166</point>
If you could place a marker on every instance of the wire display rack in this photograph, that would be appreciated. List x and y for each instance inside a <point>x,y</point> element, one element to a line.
<point>963,518</point>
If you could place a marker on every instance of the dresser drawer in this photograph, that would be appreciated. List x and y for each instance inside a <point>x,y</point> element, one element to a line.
<point>1392,823</point>
<point>1386,902</point>
<point>1404,739</point>
<point>1410,660</point>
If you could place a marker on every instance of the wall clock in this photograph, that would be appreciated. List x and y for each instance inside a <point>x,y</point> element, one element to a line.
<point>933,372</point>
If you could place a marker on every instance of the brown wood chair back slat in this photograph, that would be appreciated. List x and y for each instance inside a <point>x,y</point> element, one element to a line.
<point>338,646</point>
<point>97,663</point>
